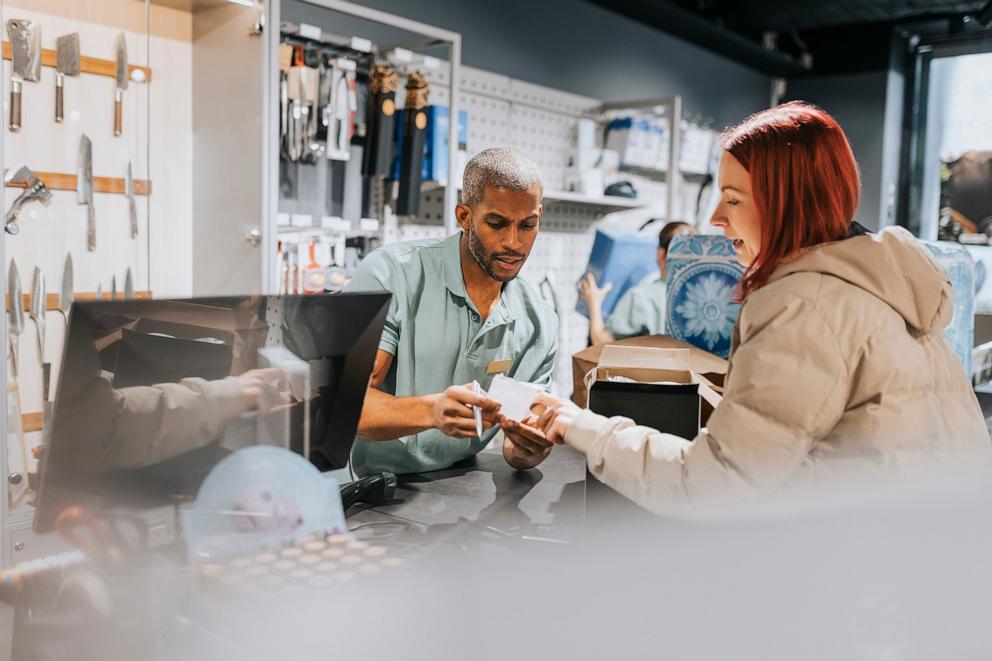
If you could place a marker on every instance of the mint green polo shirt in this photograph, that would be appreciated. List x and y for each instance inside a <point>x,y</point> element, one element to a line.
<point>438,339</point>
<point>640,311</point>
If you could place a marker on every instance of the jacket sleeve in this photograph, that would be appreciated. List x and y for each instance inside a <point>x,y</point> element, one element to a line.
<point>786,389</point>
<point>150,424</point>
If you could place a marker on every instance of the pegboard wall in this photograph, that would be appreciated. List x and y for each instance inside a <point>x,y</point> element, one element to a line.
<point>542,123</point>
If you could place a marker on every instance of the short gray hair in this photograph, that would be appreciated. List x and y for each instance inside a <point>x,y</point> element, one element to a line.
<point>499,167</point>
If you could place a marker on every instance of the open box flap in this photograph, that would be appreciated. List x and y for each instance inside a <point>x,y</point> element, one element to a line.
<point>615,355</point>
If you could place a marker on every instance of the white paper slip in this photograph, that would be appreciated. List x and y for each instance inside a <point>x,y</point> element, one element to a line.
<point>515,397</point>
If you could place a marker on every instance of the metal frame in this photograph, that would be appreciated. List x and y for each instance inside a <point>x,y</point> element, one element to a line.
<point>673,107</point>
<point>271,136</point>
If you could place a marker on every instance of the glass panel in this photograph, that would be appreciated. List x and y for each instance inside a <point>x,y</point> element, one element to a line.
<point>98,54</point>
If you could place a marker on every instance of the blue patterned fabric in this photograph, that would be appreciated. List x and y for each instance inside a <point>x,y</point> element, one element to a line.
<point>703,272</point>
<point>960,267</point>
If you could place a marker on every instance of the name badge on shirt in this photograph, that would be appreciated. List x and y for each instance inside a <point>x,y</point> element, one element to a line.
<point>499,367</point>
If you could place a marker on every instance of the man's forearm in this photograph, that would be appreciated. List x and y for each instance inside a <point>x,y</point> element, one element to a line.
<point>386,417</point>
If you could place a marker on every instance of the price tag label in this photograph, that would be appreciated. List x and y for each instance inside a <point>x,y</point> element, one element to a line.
<point>361,44</point>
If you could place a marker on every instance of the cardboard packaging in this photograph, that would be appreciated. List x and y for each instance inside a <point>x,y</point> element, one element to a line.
<point>668,385</point>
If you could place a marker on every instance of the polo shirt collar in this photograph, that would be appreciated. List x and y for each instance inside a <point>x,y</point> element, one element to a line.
<point>509,306</point>
<point>452,259</point>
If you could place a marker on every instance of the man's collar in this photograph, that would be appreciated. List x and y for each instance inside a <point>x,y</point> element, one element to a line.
<point>452,259</point>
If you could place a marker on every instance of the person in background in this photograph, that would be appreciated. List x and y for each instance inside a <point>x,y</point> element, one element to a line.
<point>641,309</point>
<point>839,366</point>
<point>459,314</point>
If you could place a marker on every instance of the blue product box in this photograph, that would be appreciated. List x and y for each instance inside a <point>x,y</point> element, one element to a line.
<point>435,163</point>
<point>621,259</point>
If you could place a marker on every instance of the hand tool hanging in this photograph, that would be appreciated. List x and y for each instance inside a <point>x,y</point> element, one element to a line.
<point>84,188</point>
<point>412,151</point>
<point>39,299</point>
<point>285,64</point>
<point>67,61</point>
<point>15,326</point>
<point>34,190</point>
<point>25,57</point>
<point>122,74</point>
<point>337,115</point>
<point>380,128</point>
<point>294,127</point>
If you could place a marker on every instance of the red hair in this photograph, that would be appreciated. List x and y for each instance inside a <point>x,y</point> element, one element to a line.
<point>804,181</point>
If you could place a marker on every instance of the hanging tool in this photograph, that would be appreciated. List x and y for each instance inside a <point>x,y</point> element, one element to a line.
<point>15,326</point>
<point>39,298</point>
<point>294,131</point>
<point>113,287</point>
<point>310,86</point>
<point>25,56</point>
<point>67,64</point>
<point>66,292</point>
<point>15,314</point>
<point>131,206</point>
<point>128,285</point>
<point>35,190</point>
<point>338,112</point>
<point>412,156</point>
<point>380,127</point>
<point>99,292</point>
<point>121,76</point>
<point>84,188</point>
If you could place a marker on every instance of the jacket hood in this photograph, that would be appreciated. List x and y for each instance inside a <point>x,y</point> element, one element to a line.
<point>893,266</point>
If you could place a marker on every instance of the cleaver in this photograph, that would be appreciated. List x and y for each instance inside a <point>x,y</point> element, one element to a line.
<point>121,83</point>
<point>67,64</point>
<point>132,208</point>
<point>84,188</point>
<point>25,47</point>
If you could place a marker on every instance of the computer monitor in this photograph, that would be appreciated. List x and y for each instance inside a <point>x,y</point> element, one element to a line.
<point>153,393</point>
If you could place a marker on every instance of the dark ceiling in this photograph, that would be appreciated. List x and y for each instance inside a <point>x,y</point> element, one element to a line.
<point>829,36</point>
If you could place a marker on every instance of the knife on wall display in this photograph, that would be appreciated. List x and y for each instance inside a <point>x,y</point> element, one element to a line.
<point>132,208</point>
<point>84,188</point>
<point>113,287</point>
<point>378,155</point>
<point>25,56</point>
<point>412,151</point>
<point>15,326</point>
<point>34,189</point>
<point>39,298</point>
<point>66,292</point>
<point>67,64</point>
<point>15,315</point>
<point>128,285</point>
<point>122,73</point>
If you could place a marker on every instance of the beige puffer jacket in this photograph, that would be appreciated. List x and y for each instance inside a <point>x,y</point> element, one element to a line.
<point>840,366</point>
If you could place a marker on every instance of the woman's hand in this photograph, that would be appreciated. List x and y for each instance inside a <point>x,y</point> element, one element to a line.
<point>557,417</point>
<point>592,294</point>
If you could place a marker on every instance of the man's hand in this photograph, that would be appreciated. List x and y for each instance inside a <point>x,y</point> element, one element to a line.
<point>452,415</point>
<point>557,417</point>
<point>525,446</point>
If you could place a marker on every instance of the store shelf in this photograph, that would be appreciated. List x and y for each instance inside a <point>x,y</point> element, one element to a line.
<point>607,201</point>
<point>601,201</point>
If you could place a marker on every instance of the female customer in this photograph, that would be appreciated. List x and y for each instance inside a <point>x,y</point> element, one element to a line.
<point>839,364</point>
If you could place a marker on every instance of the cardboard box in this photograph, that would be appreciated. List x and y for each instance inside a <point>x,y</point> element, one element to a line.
<point>693,380</point>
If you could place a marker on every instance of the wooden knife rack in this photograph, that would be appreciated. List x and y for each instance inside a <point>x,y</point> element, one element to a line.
<point>68,182</point>
<point>52,299</point>
<point>93,65</point>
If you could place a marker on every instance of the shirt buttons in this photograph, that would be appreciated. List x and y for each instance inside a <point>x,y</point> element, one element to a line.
<point>475,317</point>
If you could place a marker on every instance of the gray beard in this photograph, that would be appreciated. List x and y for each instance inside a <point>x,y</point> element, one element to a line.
<point>479,253</point>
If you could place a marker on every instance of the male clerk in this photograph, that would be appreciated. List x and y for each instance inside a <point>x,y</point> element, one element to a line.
<point>458,313</point>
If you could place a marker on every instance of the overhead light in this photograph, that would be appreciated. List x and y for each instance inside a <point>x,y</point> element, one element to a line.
<point>243,3</point>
